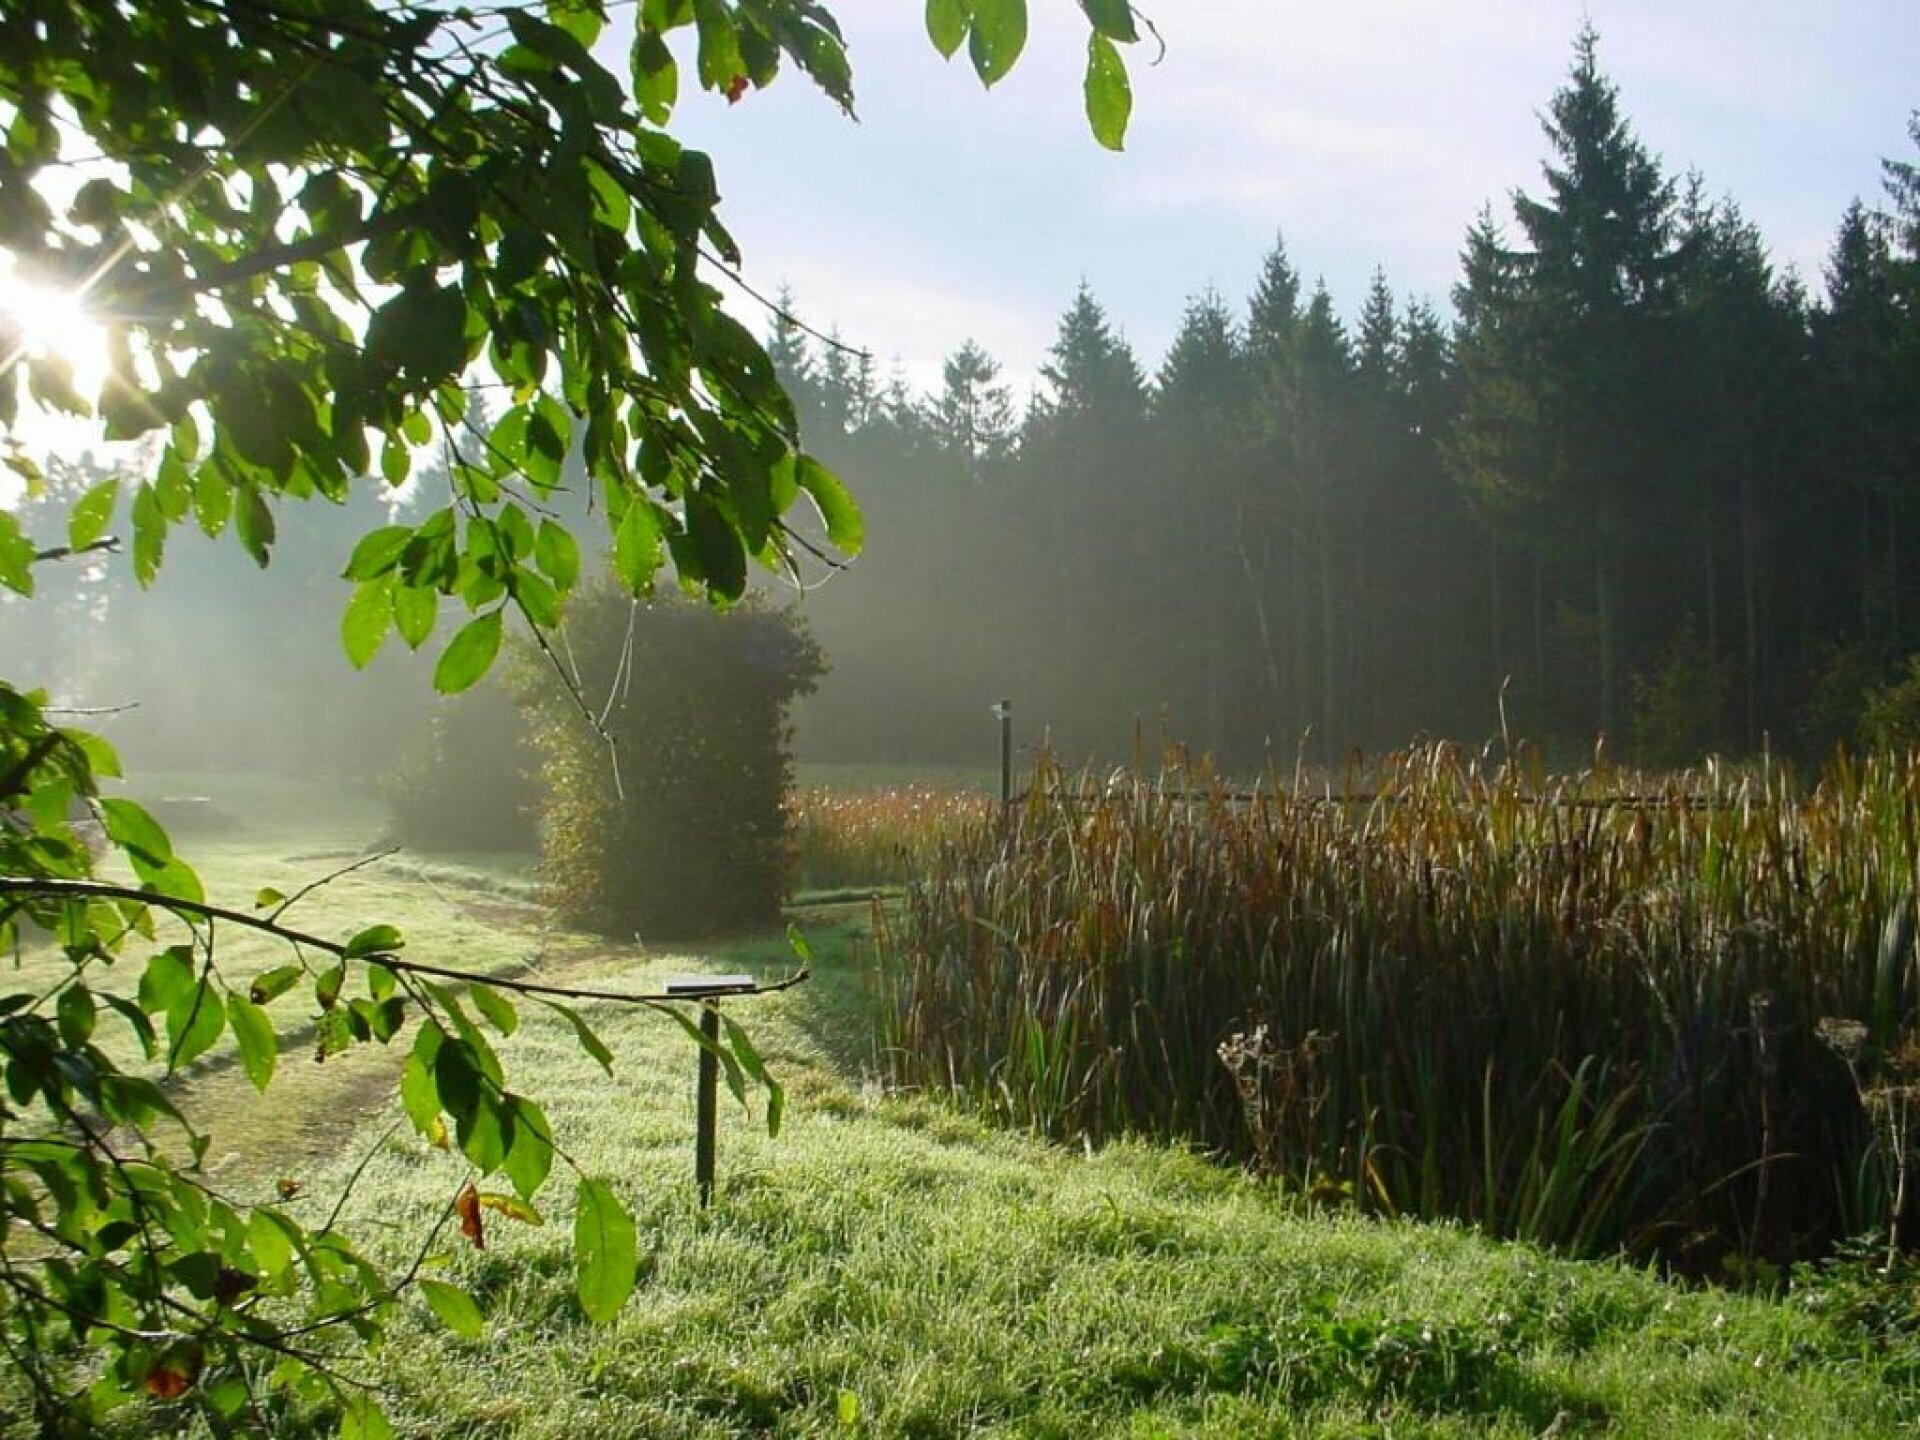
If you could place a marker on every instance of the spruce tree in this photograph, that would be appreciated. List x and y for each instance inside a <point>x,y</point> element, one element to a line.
<point>1600,282</point>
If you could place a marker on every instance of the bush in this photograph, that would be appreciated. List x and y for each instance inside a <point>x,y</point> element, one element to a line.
<point>682,830</point>
<point>467,783</point>
<point>1680,709</point>
<point>1890,715</point>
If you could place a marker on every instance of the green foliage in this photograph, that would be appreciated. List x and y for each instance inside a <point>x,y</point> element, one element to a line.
<point>311,231</point>
<point>1890,716</point>
<point>1680,709</point>
<point>467,782</point>
<point>686,833</point>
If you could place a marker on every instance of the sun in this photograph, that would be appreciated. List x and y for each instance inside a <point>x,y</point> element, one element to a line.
<point>40,321</point>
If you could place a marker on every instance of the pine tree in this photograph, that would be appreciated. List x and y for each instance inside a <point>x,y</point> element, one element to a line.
<point>1092,372</point>
<point>1600,283</point>
<point>972,418</point>
<point>1200,406</point>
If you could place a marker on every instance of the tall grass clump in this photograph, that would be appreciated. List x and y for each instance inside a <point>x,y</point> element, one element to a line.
<point>877,837</point>
<point>1566,1009</point>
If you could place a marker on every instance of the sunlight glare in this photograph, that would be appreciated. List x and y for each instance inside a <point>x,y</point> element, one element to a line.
<point>38,321</point>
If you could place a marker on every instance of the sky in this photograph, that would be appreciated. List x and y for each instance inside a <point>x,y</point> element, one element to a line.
<point>1367,134</point>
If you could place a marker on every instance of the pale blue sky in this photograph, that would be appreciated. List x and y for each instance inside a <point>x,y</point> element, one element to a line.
<point>1369,132</point>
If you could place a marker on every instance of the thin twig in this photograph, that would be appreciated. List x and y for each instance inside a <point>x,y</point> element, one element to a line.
<point>313,885</point>
<point>103,890</point>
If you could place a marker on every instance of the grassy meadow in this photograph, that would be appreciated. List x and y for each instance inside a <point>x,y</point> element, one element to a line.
<point>894,1264</point>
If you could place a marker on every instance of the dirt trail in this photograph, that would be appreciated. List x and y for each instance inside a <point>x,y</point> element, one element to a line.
<point>313,1109</point>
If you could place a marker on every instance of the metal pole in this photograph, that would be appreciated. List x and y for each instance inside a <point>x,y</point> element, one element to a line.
<point>1005,711</point>
<point>706,1103</point>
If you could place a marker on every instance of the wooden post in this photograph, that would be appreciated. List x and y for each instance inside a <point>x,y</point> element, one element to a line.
<point>706,1103</point>
<point>707,989</point>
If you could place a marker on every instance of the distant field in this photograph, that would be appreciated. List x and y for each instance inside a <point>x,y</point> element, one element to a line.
<point>892,777</point>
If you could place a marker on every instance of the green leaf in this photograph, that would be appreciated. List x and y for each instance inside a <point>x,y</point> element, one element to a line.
<point>91,514</point>
<point>636,547</point>
<point>511,1206</point>
<point>589,1041</point>
<point>415,608</point>
<point>168,976</point>
<point>485,1129</point>
<point>604,1251</point>
<point>272,984</point>
<point>718,555</point>
<point>266,898</point>
<point>469,655</point>
<point>375,940</point>
<point>656,79</point>
<point>496,1007</point>
<point>366,620</point>
<point>1109,95</point>
<point>149,534</point>
<point>998,36</point>
<point>194,1022</point>
<point>361,1418</point>
<point>253,521</point>
<point>131,828</point>
<point>837,511</point>
<point>719,48</point>
<point>457,1077</point>
<point>756,1069</point>
<point>455,1308</point>
<point>253,1033</point>
<point>75,1010</point>
<point>1113,18</point>
<point>531,1156</point>
<point>557,554</point>
<point>274,1240</point>
<point>421,332</point>
<point>212,500</point>
<point>419,1093</point>
<point>947,25</point>
<point>378,552</point>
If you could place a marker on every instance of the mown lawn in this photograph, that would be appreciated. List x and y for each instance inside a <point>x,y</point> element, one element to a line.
<point>886,1267</point>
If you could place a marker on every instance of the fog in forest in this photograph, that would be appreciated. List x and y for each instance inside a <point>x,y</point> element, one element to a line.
<point>1634,481</point>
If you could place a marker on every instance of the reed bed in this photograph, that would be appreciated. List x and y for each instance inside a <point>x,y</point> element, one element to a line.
<point>1555,1009</point>
<point>884,837</point>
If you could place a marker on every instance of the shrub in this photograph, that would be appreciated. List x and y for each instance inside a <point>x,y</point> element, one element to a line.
<point>1680,709</point>
<point>672,822</point>
<point>1890,715</point>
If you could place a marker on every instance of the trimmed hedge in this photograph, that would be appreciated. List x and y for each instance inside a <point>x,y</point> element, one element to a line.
<point>682,829</point>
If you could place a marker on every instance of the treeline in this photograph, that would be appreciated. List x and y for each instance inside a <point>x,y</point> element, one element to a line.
<point>1640,482</point>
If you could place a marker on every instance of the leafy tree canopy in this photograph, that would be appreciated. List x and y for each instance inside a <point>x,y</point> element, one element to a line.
<point>314,229</point>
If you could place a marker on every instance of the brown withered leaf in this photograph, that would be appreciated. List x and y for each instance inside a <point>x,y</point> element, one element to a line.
<point>467,1206</point>
<point>174,1373</point>
<point>287,1186</point>
<point>736,87</point>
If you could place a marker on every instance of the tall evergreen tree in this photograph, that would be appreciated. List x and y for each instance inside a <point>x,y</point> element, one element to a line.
<point>972,417</point>
<point>1600,281</point>
<point>1199,410</point>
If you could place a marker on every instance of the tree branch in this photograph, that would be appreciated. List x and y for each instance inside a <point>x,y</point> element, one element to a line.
<point>105,890</point>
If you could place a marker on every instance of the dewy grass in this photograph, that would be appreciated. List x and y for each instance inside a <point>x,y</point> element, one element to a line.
<point>1581,1010</point>
<point>890,1266</point>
